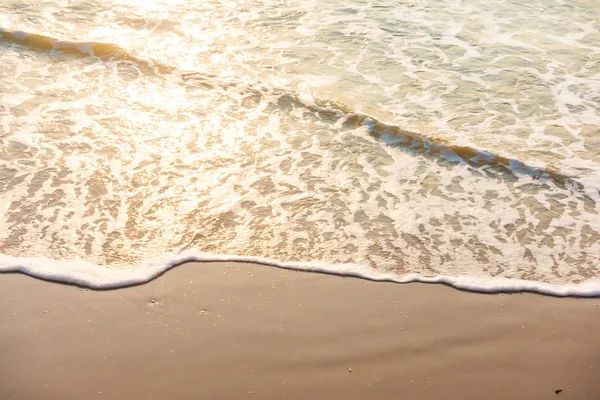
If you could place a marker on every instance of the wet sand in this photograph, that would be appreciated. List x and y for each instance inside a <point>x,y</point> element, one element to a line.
<point>232,331</point>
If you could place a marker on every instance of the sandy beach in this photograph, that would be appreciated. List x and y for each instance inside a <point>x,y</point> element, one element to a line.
<point>232,330</point>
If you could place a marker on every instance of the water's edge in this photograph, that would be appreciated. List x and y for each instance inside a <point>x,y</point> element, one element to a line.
<point>96,277</point>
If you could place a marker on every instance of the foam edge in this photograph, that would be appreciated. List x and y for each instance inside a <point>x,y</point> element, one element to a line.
<point>97,277</point>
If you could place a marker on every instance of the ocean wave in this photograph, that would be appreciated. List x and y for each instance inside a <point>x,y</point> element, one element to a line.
<point>105,51</point>
<point>518,224</point>
<point>398,137</point>
<point>338,113</point>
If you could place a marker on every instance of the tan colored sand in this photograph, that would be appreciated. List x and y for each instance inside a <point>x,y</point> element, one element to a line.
<point>234,331</point>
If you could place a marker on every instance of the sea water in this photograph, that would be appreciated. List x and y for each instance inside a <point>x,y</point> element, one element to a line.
<point>437,141</point>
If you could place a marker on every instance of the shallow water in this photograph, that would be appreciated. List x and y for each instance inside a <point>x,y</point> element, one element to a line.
<point>424,139</point>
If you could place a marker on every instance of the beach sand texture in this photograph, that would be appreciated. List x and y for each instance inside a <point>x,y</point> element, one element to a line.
<point>232,331</point>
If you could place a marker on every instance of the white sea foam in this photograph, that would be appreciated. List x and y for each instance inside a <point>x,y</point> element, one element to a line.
<point>117,161</point>
<point>93,276</point>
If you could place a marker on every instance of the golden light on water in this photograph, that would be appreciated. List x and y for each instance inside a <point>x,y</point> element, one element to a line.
<point>300,132</point>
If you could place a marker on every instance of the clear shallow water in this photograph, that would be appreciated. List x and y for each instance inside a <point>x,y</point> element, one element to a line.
<point>405,140</point>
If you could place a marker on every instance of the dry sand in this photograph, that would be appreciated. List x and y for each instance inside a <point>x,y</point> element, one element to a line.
<point>233,331</point>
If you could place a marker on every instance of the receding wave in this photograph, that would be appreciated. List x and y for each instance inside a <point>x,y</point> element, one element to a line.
<point>119,166</point>
<point>391,135</point>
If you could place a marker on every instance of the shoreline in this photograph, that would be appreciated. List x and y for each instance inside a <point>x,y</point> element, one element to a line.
<point>84,274</point>
<point>228,330</point>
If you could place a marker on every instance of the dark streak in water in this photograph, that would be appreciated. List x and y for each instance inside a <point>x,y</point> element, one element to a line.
<point>439,149</point>
<point>104,51</point>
